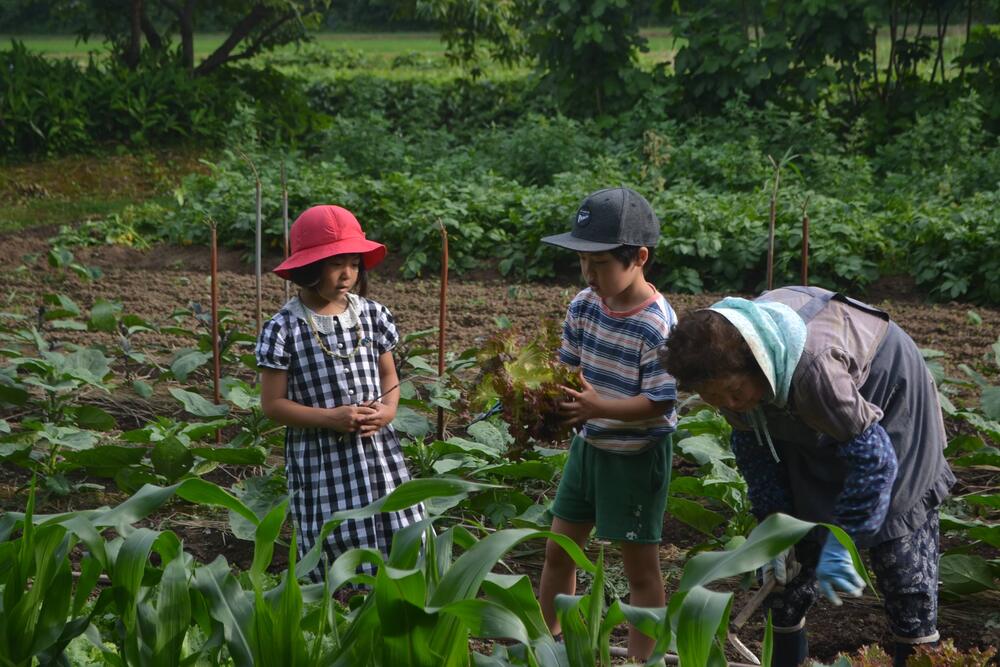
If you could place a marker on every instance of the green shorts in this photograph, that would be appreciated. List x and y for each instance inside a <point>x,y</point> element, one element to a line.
<point>624,496</point>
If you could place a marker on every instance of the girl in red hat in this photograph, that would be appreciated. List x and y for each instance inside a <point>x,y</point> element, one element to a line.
<point>327,373</point>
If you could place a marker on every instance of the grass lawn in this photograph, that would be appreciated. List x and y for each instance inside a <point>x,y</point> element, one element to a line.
<point>662,45</point>
<point>67,46</point>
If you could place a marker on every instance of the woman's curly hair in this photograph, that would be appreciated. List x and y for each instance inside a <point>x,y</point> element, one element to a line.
<point>704,346</point>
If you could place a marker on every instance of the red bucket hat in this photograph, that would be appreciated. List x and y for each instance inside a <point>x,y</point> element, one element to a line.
<point>325,231</point>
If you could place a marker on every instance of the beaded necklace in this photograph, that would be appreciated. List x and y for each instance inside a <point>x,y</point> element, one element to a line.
<point>356,329</point>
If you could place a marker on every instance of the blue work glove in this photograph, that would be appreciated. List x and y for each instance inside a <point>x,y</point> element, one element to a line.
<point>835,572</point>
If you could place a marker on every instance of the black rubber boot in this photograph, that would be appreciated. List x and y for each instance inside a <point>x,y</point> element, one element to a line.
<point>901,651</point>
<point>790,648</point>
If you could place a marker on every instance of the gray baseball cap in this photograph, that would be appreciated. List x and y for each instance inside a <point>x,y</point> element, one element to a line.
<point>610,218</point>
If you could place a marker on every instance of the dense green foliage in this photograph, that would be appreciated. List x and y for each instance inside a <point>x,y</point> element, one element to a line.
<point>500,171</point>
<point>56,106</point>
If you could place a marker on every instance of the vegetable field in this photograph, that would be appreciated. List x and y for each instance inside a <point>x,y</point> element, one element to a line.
<point>134,411</point>
<point>144,508</point>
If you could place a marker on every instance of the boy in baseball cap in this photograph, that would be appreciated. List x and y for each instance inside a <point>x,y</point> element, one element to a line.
<point>618,470</point>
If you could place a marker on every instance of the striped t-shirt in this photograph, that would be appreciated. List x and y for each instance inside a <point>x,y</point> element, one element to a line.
<point>617,352</point>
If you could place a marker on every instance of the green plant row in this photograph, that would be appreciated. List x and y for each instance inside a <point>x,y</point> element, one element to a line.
<point>425,602</point>
<point>500,190</point>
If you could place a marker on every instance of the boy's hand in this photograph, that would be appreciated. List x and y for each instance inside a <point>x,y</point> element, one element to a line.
<point>381,415</point>
<point>583,405</point>
<point>349,418</point>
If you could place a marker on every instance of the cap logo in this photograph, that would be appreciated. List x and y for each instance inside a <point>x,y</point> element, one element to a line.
<point>583,217</point>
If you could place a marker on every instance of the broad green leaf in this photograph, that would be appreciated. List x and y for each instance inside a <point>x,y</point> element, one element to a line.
<point>200,430</point>
<point>983,500</point>
<point>463,579</point>
<point>197,404</point>
<point>241,395</point>
<point>12,395</point>
<point>405,495</point>
<point>406,626</point>
<point>63,306</point>
<point>67,436</point>
<point>411,422</point>
<point>768,539</point>
<point>486,433</point>
<point>104,316</point>
<point>242,456</point>
<point>143,389</point>
<point>987,456</point>
<point>187,361</point>
<point>456,445</point>
<point>541,470</point>
<point>171,459</point>
<point>88,365</point>
<point>990,402</point>
<point>229,606</point>
<point>489,620</point>
<point>105,461</point>
<point>173,613</point>
<point>514,592</point>
<point>127,573</point>
<point>704,449</point>
<point>693,514</point>
<point>963,574</point>
<point>267,533</point>
<point>68,325</point>
<point>578,642</point>
<point>705,422</point>
<point>703,618</point>
<point>93,417</point>
<point>976,530</point>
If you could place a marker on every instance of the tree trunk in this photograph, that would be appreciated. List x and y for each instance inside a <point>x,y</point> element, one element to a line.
<point>131,55</point>
<point>185,22</point>
<point>222,54</point>
<point>187,34</point>
<point>152,36</point>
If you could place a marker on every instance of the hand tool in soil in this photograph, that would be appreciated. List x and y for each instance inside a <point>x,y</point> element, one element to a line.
<point>770,583</point>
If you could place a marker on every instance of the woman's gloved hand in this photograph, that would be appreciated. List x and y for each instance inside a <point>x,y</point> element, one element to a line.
<point>835,572</point>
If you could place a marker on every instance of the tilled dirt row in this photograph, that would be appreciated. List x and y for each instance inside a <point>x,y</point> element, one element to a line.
<point>154,283</point>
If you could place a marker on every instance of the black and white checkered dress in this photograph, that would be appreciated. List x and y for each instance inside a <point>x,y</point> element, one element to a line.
<point>330,471</point>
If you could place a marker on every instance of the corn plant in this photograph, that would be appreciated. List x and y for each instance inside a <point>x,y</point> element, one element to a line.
<point>40,612</point>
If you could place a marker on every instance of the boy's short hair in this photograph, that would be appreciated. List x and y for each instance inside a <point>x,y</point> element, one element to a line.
<point>608,219</point>
<point>628,254</point>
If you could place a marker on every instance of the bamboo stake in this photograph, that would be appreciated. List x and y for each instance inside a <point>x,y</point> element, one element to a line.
<point>257,238</point>
<point>805,242</point>
<point>216,354</point>
<point>773,217</point>
<point>284,219</point>
<point>442,310</point>
<point>777,166</point>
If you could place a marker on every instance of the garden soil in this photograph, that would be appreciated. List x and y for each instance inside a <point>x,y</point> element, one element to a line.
<point>156,282</point>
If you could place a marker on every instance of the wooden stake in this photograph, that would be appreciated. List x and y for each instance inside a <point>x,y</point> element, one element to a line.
<point>442,310</point>
<point>257,240</point>
<point>284,219</point>
<point>216,354</point>
<point>805,242</point>
<point>770,229</point>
